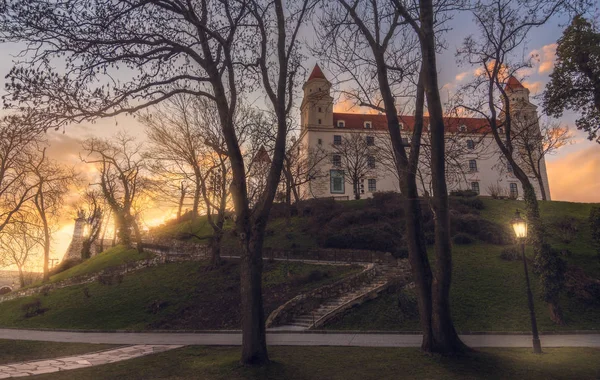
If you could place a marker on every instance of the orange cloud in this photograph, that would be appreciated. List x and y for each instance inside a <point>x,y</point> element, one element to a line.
<point>534,87</point>
<point>545,57</point>
<point>574,177</point>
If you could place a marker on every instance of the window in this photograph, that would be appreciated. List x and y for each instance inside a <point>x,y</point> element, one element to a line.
<point>319,121</point>
<point>475,187</point>
<point>320,141</point>
<point>337,182</point>
<point>405,141</point>
<point>371,162</point>
<point>370,140</point>
<point>368,125</point>
<point>320,109</point>
<point>470,144</point>
<point>509,168</point>
<point>514,190</point>
<point>337,140</point>
<point>472,165</point>
<point>337,160</point>
<point>401,126</point>
<point>372,185</point>
<point>341,123</point>
<point>462,128</point>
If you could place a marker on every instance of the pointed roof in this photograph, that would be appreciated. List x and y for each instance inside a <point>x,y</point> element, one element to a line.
<point>513,84</point>
<point>316,73</point>
<point>262,156</point>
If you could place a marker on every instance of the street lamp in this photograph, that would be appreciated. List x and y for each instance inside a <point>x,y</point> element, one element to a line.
<point>519,225</point>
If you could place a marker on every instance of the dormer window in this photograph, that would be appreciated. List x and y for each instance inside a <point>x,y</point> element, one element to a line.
<point>368,125</point>
<point>462,128</point>
<point>470,144</point>
<point>341,123</point>
<point>320,110</point>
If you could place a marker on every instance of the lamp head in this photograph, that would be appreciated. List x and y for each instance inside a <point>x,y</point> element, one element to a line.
<point>519,225</point>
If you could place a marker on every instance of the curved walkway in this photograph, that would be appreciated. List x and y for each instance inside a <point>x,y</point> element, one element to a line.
<point>234,338</point>
<point>39,367</point>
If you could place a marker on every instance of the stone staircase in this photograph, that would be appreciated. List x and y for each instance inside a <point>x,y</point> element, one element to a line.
<point>331,305</point>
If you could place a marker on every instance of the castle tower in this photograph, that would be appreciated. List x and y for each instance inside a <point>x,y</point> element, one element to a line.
<point>317,106</point>
<point>76,245</point>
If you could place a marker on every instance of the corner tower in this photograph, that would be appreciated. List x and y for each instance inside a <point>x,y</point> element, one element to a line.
<point>317,105</point>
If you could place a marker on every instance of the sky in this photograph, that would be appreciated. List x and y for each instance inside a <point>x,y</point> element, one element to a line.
<point>574,171</point>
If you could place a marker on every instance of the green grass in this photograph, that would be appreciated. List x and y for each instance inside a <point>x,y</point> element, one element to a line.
<point>188,296</point>
<point>583,253</point>
<point>348,363</point>
<point>13,351</point>
<point>199,227</point>
<point>111,257</point>
<point>487,294</point>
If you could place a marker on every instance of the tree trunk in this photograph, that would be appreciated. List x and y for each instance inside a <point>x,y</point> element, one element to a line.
<point>541,185</point>
<point>124,228</point>
<point>86,251</point>
<point>138,236</point>
<point>288,201</point>
<point>197,194</point>
<point>254,343</point>
<point>445,337</point>
<point>215,248</point>
<point>21,276</point>
<point>180,205</point>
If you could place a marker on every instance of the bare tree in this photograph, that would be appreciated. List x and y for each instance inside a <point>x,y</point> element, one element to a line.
<point>536,140</point>
<point>376,43</point>
<point>504,27</point>
<point>121,170</point>
<point>53,181</point>
<point>16,185</point>
<point>92,211</point>
<point>19,243</point>
<point>357,157</point>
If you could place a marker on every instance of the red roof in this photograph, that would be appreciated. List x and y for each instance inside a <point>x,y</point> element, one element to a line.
<point>316,73</point>
<point>513,84</point>
<point>379,122</point>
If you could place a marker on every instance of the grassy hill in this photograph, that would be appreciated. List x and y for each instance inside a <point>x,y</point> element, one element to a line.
<point>172,296</point>
<point>488,293</point>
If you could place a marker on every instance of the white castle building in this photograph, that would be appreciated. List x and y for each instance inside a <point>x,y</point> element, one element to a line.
<point>475,162</point>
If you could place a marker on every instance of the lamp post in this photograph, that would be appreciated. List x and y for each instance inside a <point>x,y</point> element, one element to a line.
<point>519,225</point>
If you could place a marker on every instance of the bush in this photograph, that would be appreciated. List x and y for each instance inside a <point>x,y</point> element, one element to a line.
<point>319,210</point>
<point>64,265</point>
<point>566,228</point>
<point>33,308</point>
<point>312,276</point>
<point>473,202</point>
<point>510,254</point>
<point>389,203</point>
<point>463,193</point>
<point>354,217</point>
<point>376,237</point>
<point>461,238</point>
<point>483,229</point>
<point>496,191</point>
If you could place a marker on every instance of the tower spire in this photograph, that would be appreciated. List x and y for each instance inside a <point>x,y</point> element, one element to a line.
<point>316,73</point>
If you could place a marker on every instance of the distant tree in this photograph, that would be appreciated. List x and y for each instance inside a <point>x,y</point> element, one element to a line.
<point>92,210</point>
<point>535,141</point>
<point>575,83</point>
<point>19,243</point>
<point>121,170</point>
<point>53,182</point>
<point>594,221</point>
<point>357,158</point>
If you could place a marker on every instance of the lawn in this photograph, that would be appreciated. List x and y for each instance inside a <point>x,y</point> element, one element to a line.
<point>114,256</point>
<point>347,363</point>
<point>172,296</point>
<point>487,294</point>
<point>12,351</point>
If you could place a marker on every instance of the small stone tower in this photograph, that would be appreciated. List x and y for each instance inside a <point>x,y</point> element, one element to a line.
<point>317,106</point>
<point>76,246</point>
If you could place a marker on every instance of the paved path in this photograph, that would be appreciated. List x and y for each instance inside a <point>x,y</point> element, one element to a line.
<point>296,339</point>
<point>39,367</point>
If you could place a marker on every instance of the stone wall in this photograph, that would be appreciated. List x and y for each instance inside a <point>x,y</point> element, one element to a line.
<point>162,255</point>
<point>304,303</point>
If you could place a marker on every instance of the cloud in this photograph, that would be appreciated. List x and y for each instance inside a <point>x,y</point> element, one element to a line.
<point>534,87</point>
<point>574,177</point>
<point>545,57</point>
<point>460,77</point>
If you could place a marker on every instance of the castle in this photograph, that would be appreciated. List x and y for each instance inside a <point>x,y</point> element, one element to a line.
<point>474,161</point>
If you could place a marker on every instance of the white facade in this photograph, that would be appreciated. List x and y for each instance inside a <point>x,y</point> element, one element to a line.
<point>477,164</point>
